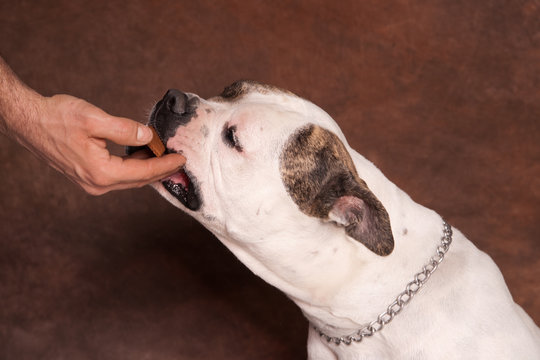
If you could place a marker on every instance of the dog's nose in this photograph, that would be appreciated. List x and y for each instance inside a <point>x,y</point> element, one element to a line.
<point>173,110</point>
<point>175,101</point>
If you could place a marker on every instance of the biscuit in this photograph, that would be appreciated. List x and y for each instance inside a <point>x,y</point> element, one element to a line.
<point>156,145</point>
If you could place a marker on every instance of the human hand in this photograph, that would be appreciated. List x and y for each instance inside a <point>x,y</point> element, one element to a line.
<point>70,133</point>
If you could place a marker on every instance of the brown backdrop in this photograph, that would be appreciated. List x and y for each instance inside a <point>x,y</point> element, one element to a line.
<point>444,97</point>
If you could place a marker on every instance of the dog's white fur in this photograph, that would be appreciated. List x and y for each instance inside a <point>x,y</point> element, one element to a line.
<point>465,310</point>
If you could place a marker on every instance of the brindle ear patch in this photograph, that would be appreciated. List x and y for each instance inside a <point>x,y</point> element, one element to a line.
<point>241,87</point>
<point>321,178</point>
<point>235,90</point>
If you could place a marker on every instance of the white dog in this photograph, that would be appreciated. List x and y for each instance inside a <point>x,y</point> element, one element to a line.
<point>272,176</point>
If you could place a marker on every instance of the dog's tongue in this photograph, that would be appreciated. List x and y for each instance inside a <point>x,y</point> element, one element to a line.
<point>179,178</point>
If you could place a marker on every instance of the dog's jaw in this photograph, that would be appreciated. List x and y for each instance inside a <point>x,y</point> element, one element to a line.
<point>184,188</point>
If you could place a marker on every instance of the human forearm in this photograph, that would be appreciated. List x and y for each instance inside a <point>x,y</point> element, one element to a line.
<point>18,103</point>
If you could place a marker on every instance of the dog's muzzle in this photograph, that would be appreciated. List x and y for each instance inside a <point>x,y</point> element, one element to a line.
<point>174,110</point>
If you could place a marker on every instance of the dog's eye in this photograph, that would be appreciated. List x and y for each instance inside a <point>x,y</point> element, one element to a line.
<point>230,138</point>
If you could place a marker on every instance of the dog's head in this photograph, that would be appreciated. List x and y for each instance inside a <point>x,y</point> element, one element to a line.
<point>260,161</point>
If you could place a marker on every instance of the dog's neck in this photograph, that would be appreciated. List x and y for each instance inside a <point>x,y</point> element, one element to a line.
<point>338,283</point>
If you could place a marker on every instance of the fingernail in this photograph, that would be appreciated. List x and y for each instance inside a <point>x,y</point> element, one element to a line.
<point>144,134</point>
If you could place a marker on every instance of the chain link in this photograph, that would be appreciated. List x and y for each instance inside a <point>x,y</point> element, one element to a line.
<point>401,300</point>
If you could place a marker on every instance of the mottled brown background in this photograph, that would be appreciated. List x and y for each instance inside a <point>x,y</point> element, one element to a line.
<point>444,96</point>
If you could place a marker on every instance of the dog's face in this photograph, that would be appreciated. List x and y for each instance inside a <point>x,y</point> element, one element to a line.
<point>262,161</point>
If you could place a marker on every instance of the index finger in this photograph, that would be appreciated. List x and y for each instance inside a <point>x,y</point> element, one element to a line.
<point>122,131</point>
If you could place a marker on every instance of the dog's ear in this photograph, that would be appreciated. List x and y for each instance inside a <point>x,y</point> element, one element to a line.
<point>365,220</point>
<point>321,178</point>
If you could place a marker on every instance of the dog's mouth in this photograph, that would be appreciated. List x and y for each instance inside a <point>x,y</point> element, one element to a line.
<point>183,186</point>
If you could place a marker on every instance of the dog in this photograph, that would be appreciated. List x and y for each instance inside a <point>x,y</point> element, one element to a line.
<point>271,175</point>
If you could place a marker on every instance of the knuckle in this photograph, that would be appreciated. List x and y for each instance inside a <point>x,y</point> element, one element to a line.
<point>86,123</point>
<point>96,178</point>
<point>81,111</point>
<point>101,180</point>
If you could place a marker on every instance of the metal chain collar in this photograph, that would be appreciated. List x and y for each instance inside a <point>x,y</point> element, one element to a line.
<point>401,300</point>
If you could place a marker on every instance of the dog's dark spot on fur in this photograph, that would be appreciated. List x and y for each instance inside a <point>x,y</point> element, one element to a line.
<point>204,131</point>
<point>405,231</point>
<point>319,175</point>
<point>239,88</point>
<point>234,90</point>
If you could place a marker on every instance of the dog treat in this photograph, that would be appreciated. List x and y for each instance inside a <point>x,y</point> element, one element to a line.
<point>156,145</point>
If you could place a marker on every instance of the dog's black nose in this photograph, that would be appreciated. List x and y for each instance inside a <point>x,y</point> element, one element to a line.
<point>175,101</point>
<point>173,110</point>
